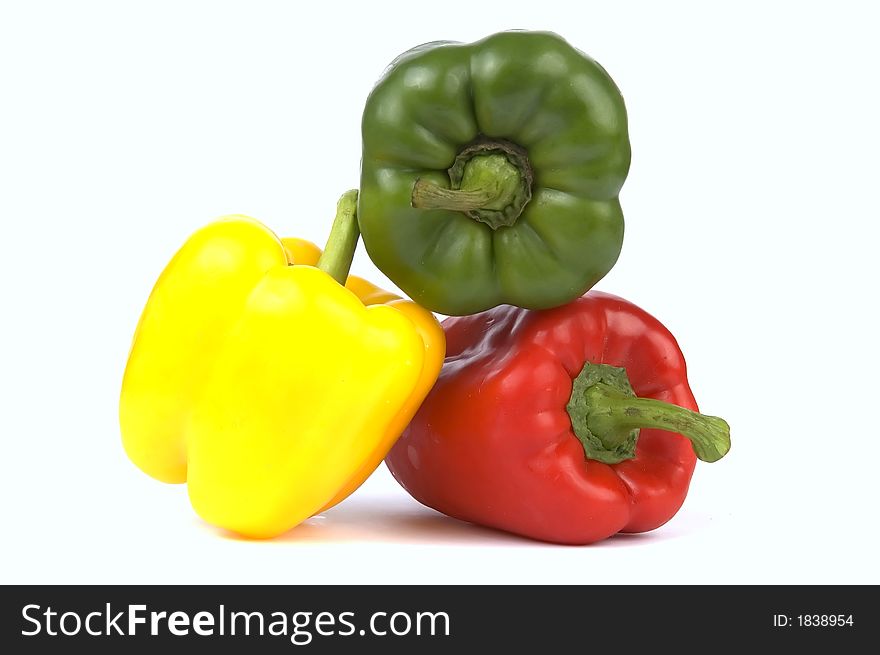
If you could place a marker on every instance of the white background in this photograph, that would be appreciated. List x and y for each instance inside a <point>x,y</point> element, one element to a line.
<point>752,232</point>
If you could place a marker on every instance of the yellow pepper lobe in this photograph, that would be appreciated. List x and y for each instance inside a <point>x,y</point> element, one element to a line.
<point>305,252</point>
<point>298,399</point>
<point>198,296</point>
<point>300,251</point>
<point>434,344</point>
<point>268,387</point>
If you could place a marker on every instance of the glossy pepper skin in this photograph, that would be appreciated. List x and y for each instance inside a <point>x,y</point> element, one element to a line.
<point>502,440</point>
<point>530,135</point>
<point>264,384</point>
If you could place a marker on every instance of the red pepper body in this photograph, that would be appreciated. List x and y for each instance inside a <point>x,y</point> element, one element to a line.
<point>493,443</point>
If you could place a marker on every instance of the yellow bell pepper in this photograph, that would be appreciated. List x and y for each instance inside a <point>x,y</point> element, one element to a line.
<point>264,384</point>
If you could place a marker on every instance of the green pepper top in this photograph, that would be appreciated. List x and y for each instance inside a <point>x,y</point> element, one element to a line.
<point>491,171</point>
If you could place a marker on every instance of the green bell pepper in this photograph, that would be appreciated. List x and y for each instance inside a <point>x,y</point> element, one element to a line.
<point>490,173</point>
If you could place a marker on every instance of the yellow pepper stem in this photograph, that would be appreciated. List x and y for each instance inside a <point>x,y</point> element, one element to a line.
<point>343,239</point>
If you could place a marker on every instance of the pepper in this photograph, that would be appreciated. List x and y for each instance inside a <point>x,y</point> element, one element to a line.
<point>264,384</point>
<point>490,173</point>
<point>567,425</point>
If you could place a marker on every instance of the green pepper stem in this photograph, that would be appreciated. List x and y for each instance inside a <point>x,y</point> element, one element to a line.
<point>428,195</point>
<point>613,415</point>
<point>490,181</point>
<point>342,242</point>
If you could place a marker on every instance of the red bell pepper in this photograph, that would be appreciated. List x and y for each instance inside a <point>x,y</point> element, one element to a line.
<point>565,425</point>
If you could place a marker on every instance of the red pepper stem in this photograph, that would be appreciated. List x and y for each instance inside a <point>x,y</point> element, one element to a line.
<point>614,415</point>
<point>342,242</point>
<point>606,417</point>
